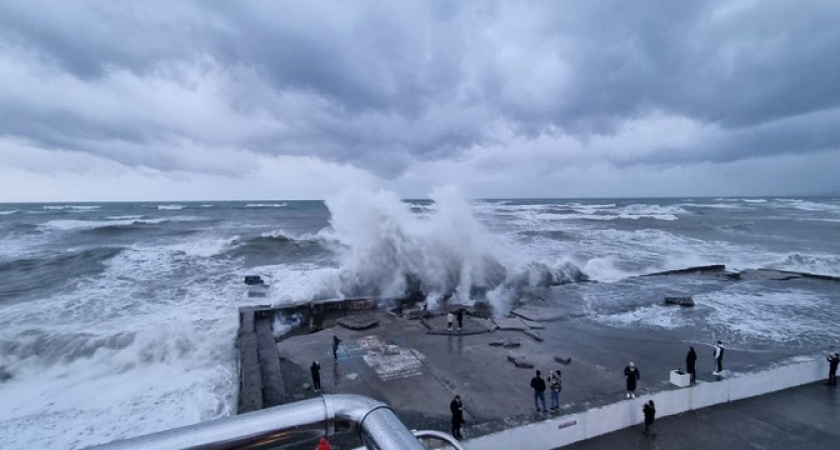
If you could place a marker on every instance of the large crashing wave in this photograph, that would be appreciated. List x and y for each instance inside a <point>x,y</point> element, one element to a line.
<point>386,249</point>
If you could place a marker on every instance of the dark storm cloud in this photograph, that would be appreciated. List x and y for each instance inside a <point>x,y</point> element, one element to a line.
<point>383,84</point>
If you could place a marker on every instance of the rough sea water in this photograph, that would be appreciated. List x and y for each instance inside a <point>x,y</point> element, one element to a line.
<point>118,319</point>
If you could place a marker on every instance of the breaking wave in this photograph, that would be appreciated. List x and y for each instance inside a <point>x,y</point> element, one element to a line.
<point>387,250</point>
<point>815,264</point>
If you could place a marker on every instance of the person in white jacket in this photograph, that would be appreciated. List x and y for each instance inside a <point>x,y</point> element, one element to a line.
<point>718,358</point>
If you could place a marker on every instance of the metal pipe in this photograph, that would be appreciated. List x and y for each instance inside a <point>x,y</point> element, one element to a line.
<point>377,425</point>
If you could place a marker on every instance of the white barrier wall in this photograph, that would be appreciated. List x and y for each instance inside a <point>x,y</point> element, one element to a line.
<point>556,432</point>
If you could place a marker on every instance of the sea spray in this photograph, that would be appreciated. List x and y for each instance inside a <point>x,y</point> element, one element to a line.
<point>385,249</point>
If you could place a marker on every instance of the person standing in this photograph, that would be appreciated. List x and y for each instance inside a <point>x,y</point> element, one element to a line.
<point>336,341</point>
<point>457,410</point>
<point>554,384</point>
<point>450,319</point>
<point>718,358</point>
<point>649,411</point>
<point>315,370</point>
<point>632,374</point>
<point>833,361</point>
<point>460,319</point>
<point>538,384</point>
<point>690,360</point>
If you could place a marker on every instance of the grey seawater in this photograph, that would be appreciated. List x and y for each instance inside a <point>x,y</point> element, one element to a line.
<point>117,319</point>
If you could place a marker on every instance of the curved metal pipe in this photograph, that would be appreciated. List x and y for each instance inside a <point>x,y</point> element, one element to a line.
<point>377,425</point>
<point>439,436</point>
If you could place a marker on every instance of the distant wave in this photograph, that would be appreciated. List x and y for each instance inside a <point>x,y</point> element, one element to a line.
<point>265,205</point>
<point>535,214</point>
<point>8,212</point>
<point>72,207</point>
<point>806,205</point>
<point>170,207</point>
<point>70,225</point>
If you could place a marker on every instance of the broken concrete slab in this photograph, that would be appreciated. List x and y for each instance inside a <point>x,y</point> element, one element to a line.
<point>679,301</point>
<point>564,361</point>
<point>520,361</point>
<point>539,314</point>
<point>506,343</point>
<point>534,325</point>
<point>510,323</point>
<point>360,322</point>
<point>534,334</point>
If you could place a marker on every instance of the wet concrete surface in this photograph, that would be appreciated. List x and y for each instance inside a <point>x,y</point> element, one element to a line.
<point>417,367</point>
<point>800,418</point>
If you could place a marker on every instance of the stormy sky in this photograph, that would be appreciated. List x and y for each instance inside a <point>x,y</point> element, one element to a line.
<point>181,100</point>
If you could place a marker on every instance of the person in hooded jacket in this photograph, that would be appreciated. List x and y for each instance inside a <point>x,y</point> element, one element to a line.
<point>632,375</point>
<point>690,360</point>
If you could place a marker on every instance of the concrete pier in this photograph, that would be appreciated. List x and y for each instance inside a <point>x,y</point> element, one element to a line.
<point>417,366</point>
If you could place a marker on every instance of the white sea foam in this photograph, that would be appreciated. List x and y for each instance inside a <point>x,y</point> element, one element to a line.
<point>816,264</point>
<point>105,361</point>
<point>265,205</point>
<point>746,314</point>
<point>126,217</point>
<point>72,207</point>
<point>205,248</point>
<point>7,212</point>
<point>170,207</point>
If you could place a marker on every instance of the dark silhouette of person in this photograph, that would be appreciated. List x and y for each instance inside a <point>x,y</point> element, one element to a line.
<point>633,375</point>
<point>336,341</point>
<point>315,369</point>
<point>457,409</point>
<point>538,384</point>
<point>833,361</point>
<point>690,360</point>
<point>460,319</point>
<point>718,358</point>
<point>649,411</point>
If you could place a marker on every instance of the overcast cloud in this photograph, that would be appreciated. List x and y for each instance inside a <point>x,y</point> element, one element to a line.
<point>157,100</point>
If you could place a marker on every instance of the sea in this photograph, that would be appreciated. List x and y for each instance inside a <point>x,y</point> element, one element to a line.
<point>119,319</point>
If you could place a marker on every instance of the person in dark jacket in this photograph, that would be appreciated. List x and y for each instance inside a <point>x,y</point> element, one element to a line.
<point>632,375</point>
<point>718,358</point>
<point>690,359</point>
<point>649,411</point>
<point>538,384</point>
<point>833,361</point>
<point>315,370</point>
<point>336,342</point>
<point>460,319</point>
<point>457,409</point>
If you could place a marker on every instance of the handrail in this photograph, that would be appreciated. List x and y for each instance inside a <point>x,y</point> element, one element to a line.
<point>377,425</point>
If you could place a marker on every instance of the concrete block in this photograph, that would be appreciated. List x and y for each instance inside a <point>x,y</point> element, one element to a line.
<point>680,378</point>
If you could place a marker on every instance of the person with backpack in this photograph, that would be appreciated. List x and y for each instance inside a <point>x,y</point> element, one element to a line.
<point>554,384</point>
